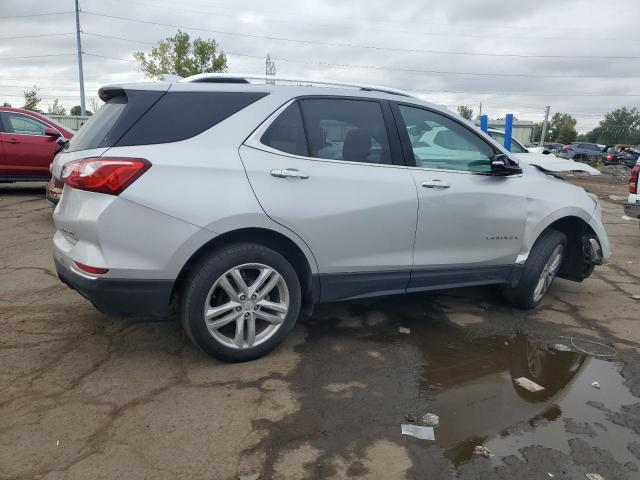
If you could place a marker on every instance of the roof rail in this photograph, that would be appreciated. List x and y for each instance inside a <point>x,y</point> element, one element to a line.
<point>242,78</point>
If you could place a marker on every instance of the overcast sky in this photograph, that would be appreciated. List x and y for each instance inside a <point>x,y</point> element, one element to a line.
<point>513,56</point>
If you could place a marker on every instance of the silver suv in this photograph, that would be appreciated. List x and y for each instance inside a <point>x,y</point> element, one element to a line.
<point>242,204</point>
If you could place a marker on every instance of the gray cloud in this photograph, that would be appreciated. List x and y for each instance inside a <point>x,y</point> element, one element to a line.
<point>569,28</point>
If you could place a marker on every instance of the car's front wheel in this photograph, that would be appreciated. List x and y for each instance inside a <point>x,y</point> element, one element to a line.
<point>241,302</point>
<point>541,268</point>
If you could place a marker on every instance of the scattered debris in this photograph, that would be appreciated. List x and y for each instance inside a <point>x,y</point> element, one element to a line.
<point>528,384</point>
<point>57,443</point>
<point>404,330</point>
<point>482,450</point>
<point>635,297</point>
<point>423,433</point>
<point>484,305</point>
<point>550,474</point>
<point>430,420</point>
<point>561,347</point>
<point>615,197</point>
<point>596,385</point>
<point>573,344</point>
<point>506,344</point>
<point>625,217</point>
<point>594,476</point>
<point>410,418</point>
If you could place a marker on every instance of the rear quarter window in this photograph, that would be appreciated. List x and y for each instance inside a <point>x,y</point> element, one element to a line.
<point>182,115</point>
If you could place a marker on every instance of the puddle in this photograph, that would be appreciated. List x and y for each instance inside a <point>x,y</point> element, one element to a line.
<point>387,377</point>
<point>479,402</point>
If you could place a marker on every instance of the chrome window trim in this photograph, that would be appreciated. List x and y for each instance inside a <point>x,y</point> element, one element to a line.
<point>253,141</point>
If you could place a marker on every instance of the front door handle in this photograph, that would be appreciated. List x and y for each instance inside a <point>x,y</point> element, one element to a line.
<point>289,173</point>
<point>13,140</point>
<point>436,183</point>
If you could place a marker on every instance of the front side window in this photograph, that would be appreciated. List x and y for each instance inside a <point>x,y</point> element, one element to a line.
<point>516,147</point>
<point>439,142</point>
<point>341,129</point>
<point>23,124</point>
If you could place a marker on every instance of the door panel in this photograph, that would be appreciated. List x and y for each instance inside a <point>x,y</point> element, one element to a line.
<point>477,220</point>
<point>27,151</point>
<point>3,168</point>
<point>355,217</point>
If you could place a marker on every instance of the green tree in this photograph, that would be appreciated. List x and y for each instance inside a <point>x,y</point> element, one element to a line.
<point>32,99</point>
<point>620,126</point>
<point>567,131</point>
<point>178,55</point>
<point>6,104</point>
<point>77,111</point>
<point>556,123</point>
<point>465,112</point>
<point>56,108</point>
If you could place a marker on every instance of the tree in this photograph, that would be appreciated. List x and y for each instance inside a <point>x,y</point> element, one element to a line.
<point>6,104</point>
<point>557,121</point>
<point>178,55</point>
<point>620,126</point>
<point>56,108</point>
<point>32,99</point>
<point>567,131</point>
<point>77,111</point>
<point>465,112</point>
<point>95,103</point>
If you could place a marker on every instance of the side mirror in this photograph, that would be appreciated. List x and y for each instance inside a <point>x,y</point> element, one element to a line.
<point>501,165</point>
<point>52,132</point>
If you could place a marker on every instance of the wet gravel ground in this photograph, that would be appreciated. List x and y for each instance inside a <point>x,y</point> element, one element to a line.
<point>84,396</point>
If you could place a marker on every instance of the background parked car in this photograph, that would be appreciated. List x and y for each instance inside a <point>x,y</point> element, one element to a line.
<point>547,147</point>
<point>632,205</point>
<point>27,145</point>
<point>581,151</point>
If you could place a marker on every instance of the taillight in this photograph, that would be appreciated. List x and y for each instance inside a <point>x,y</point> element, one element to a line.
<point>90,269</point>
<point>610,157</point>
<point>110,175</point>
<point>633,179</point>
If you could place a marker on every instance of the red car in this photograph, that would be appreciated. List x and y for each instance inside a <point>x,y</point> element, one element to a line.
<point>27,145</point>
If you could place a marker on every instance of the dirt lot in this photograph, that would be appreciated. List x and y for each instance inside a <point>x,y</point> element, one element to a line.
<point>84,396</point>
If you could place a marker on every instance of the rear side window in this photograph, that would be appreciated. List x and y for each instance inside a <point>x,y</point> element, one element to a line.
<point>341,129</point>
<point>139,117</point>
<point>181,115</point>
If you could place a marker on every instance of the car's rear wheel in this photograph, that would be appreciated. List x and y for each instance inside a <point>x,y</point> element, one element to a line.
<point>540,270</point>
<point>241,302</point>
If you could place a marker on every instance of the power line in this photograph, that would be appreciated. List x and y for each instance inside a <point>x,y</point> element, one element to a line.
<point>35,15</point>
<point>37,56</point>
<point>36,36</point>
<point>351,20</point>
<point>368,47</point>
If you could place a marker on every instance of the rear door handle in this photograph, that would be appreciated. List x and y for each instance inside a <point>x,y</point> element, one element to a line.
<point>436,183</point>
<point>13,140</point>
<point>289,173</point>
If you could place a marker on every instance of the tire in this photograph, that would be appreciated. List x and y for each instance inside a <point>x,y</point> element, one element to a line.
<point>214,285</point>
<point>525,295</point>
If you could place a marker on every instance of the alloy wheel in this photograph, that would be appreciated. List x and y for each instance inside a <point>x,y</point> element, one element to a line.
<point>548,273</point>
<point>246,305</point>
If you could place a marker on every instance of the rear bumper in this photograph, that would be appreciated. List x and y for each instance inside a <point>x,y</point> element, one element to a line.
<point>632,210</point>
<point>120,297</point>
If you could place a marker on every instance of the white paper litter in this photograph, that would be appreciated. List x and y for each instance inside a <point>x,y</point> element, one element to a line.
<point>250,476</point>
<point>625,217</point>
<point>528,384</point>
<point>423,433</point>
<point>430,420</point>
<point>635,297</point>
<point>596,385</point>
<point>550,474</point>
<point>404,330</point>
<point>561,347</point>
<point>594,476</point>
<point>482,450</point>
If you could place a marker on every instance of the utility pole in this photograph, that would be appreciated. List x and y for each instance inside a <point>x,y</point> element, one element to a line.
<point>83,110</point>
<point>480,114</point>
<point>544,125</point>
<point>270,68</point>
